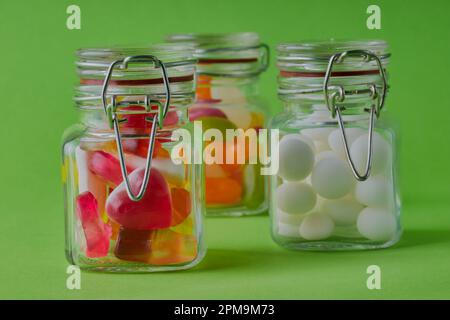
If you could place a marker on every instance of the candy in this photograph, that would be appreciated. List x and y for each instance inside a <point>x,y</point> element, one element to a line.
<point>181,204</point>
<point>106,166</point>
<point>296,158</point>
<point>186,227</point>
<point>133,245</point>
<point>316,226</point>
<point>215,171</point>
<point>253,186</point>
<point>381,153</point>
<point>343,211</point>
<point>291,219</point>
<point>295,197</point>
<point>96,232</point>
<point>174,173</point>
<point>318,134</point>
<point>238,115</point>
<point>335,139</point>
<point>220,124</point>
<point>198,112</point>
<point>153,211</point>
<point>287,230</point>
<point>331,178</point>
<point>376,224</point>
<point>169,247</point>
<point>223,191</point>
<point>374,191</point>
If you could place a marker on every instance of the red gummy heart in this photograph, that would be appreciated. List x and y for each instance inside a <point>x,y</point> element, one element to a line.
<point>153,211</point>
<point>198,112</point>
<point>106,166</point>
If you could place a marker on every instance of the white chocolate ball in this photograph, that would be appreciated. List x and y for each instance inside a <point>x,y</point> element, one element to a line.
<point>381,153</point>
<point>331,178</point>
<point>344,211</point>
<point>296,158</point>
<point>288,230</point>
<point>376,224</point>
<point>374,192</point>
<point>335,140</point>
<point>316,226</point>
<point>295,197</point>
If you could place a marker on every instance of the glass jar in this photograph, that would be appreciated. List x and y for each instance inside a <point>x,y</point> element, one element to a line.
<point>336,187</point>
<point>227,97</point>
<point>122,216</point>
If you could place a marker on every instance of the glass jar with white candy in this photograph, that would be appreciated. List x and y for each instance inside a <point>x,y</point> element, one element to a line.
<point>336,184</point>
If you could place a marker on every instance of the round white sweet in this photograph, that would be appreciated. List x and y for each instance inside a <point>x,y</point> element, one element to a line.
<point>324,154</point>
<point>374,192</point>
<point>288,230</point>
<point>331,178</point>
<point>335,139</point>
<point>376,224</point>
<point>316,226</point>
<point>296,158</point>
<point>295,197</point>
<point>344,212</point>
<point>381,153</point>
<point>287,218</point>
<point>318,134</point>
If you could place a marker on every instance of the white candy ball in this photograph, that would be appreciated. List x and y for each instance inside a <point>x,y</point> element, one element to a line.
<point>335,139</point>
<point>321,146</point>
<point>316,226</point>
<point>296,158</point>
<point>344,212</point>
<point>381,153</point>
<point>331,178</point>
<point>318,134</point>
<point>295,197</point>
<point>374,192</point>
<point>288,230</point>
<point>376,224</point>
<point>324,154</point>
<point>287,218</point>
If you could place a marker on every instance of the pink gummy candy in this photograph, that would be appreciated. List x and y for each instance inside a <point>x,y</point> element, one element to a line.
<point>106,166</point>
<point>198,112</point>
<point>153,211</point>
<point>96,232</point>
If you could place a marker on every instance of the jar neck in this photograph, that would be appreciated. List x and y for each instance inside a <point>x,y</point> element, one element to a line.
<point>227,89</point>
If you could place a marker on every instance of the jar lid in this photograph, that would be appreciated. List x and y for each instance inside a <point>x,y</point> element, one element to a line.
<point>303,69</point>
<point>229,54</point>
<point>139,77</point>
<point>310,59</point>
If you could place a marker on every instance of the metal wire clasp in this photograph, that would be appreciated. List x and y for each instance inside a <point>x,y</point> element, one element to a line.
<point>339,96</point>
<point>114,121</point>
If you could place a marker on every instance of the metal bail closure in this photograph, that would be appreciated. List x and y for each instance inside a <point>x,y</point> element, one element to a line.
<point>110,110</point>
<point>339,96</point>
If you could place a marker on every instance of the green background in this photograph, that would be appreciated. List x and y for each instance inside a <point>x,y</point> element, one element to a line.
<point>37,77</point>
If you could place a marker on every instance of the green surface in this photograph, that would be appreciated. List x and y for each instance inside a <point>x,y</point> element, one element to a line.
<point>36,83</point>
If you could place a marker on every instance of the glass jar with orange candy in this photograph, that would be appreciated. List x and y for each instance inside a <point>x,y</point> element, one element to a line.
<point>227,97</point>
<point>129,207</point>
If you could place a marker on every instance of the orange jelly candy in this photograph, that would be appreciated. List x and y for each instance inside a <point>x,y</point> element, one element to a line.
<point>169,247</point>
<point>223,191</point>
<point>181,205</point>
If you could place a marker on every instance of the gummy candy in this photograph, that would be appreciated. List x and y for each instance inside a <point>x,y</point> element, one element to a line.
<point>133,245</point>
<point>217,123</point>
<point>223,191</point>
<point>181,203</point>
<point>153,211</point>
<point>254,186</point>
<point>96,232</point>
<point>106,166</point>
<point>198,112</point>
<point>169,247</point>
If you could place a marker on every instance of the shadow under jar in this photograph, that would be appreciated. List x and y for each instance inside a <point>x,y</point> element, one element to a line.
<point>227,97</point>
<point>130,101</point>
<point>333,193</point>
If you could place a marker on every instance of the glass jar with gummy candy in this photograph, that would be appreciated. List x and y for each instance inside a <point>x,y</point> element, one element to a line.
<point>324,197</point>
<point>227,97</point>
<point>155,222</point>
